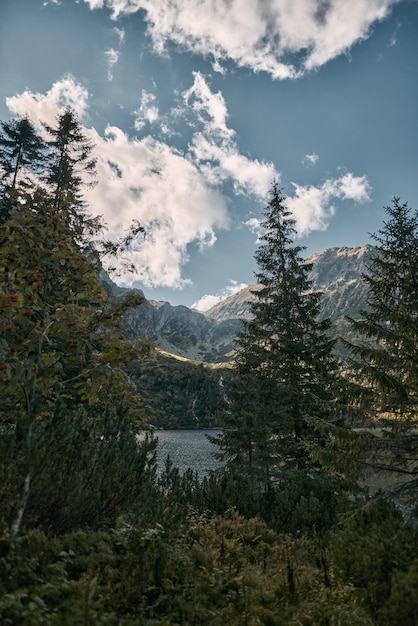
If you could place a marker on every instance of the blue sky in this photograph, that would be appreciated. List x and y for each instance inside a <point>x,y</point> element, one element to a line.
<point>195,106</point>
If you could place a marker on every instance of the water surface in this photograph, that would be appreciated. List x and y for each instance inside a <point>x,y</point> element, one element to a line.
<point>187,449</point>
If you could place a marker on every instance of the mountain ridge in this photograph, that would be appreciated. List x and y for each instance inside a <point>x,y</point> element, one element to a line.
<point>332,269</point>
<point>210,336</point>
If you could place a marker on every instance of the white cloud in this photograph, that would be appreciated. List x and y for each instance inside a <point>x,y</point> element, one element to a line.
<point>94,4</point>
<point>214,148</point>
<point>149,181</point>
<point>258,34</point>
<point>355,188</point>
<point>312,207</point>
<point>142,179</point>
<point>45,107</point>
<point>218,67</point>
<point>210,108</point>
<point>120,33</point>
<point>208,301</point>
<point>112,59</point>
<point>254,225</point>
<point>312,159</point>
<point>147,112</point>
<point>176,196</point>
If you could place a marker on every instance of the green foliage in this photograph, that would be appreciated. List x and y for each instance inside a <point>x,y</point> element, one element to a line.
<point>387,370</point>
<point>285,373</point>
<point>378,554</point>
<point>62,388</point>
<point>298,503</point>
<point>71,157</point>
<point>203,570</point>
<point>69,415</point>
<point>21,149</point>
<point>23,154</point>
<point>89,533</point>
<point>178,393</point>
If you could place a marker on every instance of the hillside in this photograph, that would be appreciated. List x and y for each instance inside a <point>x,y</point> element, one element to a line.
<point>182,331</point>
<point>178,393</point>
<point>336,272</point>
<point>180,388</point>
<point>210,336</point>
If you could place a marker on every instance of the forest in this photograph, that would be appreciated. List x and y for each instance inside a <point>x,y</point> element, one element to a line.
<point>288,531</point>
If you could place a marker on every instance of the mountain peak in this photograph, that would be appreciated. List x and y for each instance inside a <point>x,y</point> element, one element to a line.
<point>210,336</point>
<point>331,268</point>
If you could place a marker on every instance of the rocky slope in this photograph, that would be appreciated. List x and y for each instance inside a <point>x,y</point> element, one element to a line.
<point>336,272</point>
<point>182,331</point>
<point>210,337</point>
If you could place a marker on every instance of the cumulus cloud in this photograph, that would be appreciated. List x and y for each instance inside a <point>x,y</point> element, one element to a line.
<point>147,111</point>
<point>280,37</point>
<point>214,146</point>
<point>150,181</point>
<point>66,92</point>
<point>147,180</point>
<point>207,301</point>
<point>312,207</point>
<point>178,197</point>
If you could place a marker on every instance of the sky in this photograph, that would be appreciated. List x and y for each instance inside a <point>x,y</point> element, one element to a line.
<point>195,107</point>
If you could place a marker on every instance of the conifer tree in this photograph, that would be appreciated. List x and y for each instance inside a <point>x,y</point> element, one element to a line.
<point>72,155</point>
<point>386,362</point>
<point>22,151</point>
<point>284,370</point>
<point>72,168</point>
<point>68,414</point>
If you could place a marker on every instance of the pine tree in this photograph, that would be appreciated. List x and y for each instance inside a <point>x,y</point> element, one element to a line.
<point>284,370</point>
<point>386,362</point>
<point>22,152</point>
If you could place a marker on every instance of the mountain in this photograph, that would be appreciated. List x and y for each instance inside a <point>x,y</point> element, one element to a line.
<point>182,331</point>
<point>210,336</point>
<point>336,272</point>
<point>178,393</point>
<point>183,385</point>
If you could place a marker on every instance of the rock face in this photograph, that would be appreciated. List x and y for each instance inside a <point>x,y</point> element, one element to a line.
<point>336,272</point>
<point>183,331</point>
<point>211,336</point>
<point>337,266</point>
<point>236,306</point>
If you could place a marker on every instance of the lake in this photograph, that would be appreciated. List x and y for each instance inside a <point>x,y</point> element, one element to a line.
<point>187,449</point>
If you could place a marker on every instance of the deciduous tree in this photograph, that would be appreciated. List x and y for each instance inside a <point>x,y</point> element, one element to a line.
<point>64,395</point>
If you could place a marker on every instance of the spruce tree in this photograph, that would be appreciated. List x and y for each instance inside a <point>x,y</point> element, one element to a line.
<point>72,168</point>
<point>284,372</point>
<point>386,360</point>
<point>72,154</point>
<point>22,152</point>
